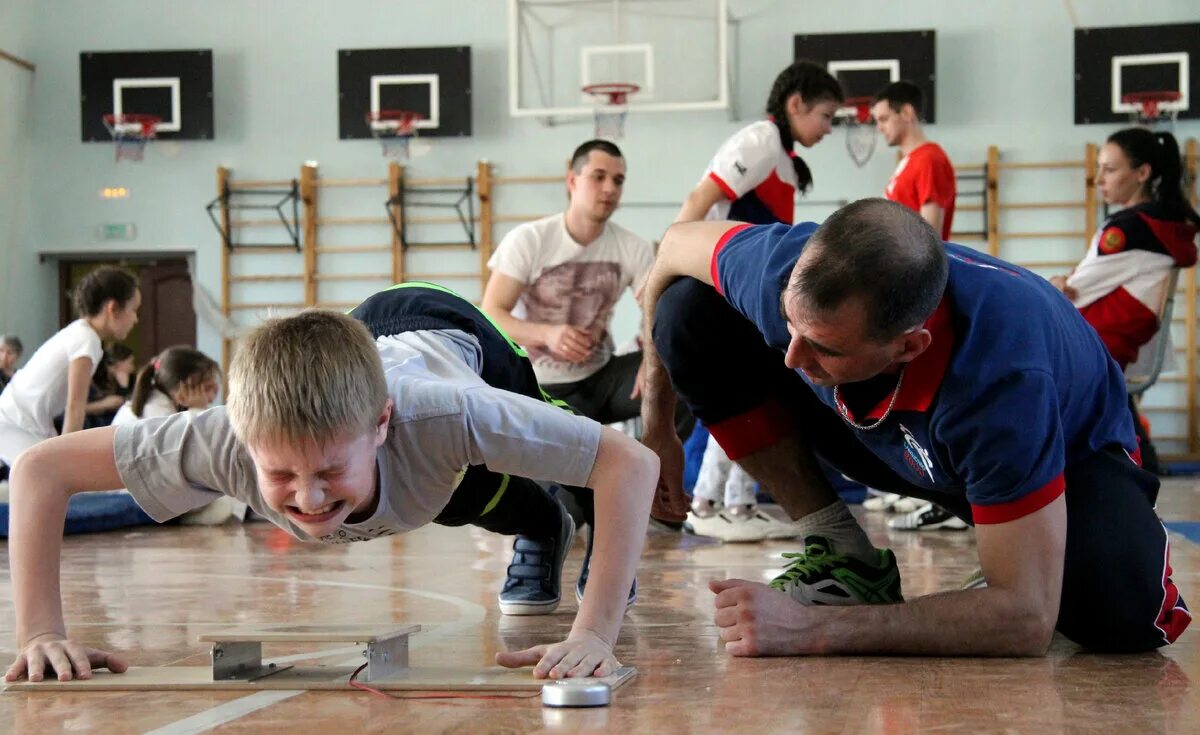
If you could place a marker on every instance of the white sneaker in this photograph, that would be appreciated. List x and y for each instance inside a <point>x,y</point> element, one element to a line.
<point>891,502</point>
<point>929,517</point>
<point>765,523</point>
<point>705,508</point>
<point>877,500</point>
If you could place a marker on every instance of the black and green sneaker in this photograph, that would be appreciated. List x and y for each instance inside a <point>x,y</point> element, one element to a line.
<point>820,576</point>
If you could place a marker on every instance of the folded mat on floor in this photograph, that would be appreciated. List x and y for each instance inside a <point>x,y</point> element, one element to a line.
<point>92,512</point>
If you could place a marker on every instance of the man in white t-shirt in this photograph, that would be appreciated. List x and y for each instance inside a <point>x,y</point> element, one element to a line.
<point>556,281</point>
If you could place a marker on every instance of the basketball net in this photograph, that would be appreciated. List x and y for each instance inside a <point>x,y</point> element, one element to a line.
<point>1149,108</point>
<point>131,133</point>
<point>860,133</point>
<point>394,129</point>
<point>610,100</point>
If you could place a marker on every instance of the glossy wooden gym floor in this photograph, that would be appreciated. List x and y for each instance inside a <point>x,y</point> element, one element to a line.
<point>150,592</point>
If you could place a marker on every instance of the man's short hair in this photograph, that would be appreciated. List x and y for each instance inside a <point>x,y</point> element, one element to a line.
<point>901,93</point>
<point>13,343</point>
<point>313,376</point>
<point>882,252</point>
<point>580,156</point>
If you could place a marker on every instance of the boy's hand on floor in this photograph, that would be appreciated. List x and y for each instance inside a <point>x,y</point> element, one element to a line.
<point>583,653</point>
<point>68,659</point>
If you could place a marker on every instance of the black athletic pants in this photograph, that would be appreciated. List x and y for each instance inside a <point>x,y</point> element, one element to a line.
<point>497,502</point>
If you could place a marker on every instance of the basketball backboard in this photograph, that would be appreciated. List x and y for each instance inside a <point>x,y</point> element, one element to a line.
<point>433,82</point>
<point>1113,63</point>
<point>175,86</point>
<point>675,51</point>
<point>865,63</point>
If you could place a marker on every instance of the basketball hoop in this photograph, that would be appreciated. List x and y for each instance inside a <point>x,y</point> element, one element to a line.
<point>131,132</point>
<point>860,133</point>
<point>394,129</point>
<point>611,98</point>
<point>1150,107</point>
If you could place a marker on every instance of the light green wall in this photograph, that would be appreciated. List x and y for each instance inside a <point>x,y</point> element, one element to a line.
<point>1004,78</point>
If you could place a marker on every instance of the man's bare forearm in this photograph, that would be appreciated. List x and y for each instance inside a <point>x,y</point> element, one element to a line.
<point>658,399</point>
<point>523,332</point>
<point>985,622</point>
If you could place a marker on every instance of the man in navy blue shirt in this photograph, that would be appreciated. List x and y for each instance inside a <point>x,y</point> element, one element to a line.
<point>926,369</point>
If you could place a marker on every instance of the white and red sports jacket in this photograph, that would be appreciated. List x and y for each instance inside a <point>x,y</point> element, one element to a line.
<point>1119,284</point>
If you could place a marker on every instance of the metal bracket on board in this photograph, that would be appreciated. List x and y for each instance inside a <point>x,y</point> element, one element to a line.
<point>238,656</point>
<point>237,200</point>
<point>460,199</point>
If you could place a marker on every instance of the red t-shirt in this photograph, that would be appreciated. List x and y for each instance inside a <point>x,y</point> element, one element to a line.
<point>925,175</point>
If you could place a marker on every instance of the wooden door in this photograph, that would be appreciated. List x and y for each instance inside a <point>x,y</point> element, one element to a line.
<point>166,317</point>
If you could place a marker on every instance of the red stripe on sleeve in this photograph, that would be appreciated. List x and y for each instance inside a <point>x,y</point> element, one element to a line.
<point>1021,507</point>
<point>758,428</point>
<point>712,266</point>
<point>729,193</point>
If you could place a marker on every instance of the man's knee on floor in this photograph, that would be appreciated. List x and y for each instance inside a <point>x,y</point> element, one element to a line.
<point>676,309</point>
<point>1109,611</point>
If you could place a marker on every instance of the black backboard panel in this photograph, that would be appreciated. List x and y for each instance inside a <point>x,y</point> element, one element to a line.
<point>149,82</point>
<point>434,81</point>
<point>866,62</point>
<point>1111,62</point>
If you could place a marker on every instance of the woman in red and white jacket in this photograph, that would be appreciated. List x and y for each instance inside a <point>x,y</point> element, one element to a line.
<point>1118,285</point>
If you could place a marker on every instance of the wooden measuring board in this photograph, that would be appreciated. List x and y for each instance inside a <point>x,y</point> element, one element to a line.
<point>237,666</point>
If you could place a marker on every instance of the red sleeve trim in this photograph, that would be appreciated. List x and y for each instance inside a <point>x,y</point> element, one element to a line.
<point>729,193</point>
<point>1021,507</point>
<point>712,266</point>
<point>756,429</point>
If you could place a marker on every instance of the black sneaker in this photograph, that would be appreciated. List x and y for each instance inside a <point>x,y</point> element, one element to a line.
<point>534,584</point>
<point>581,584</point>
<point>929,517</point>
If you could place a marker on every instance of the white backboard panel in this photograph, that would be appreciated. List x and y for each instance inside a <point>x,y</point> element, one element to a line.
<point>676,51</point>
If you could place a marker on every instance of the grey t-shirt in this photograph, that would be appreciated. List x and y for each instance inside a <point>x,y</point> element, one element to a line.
<point>445,418</point>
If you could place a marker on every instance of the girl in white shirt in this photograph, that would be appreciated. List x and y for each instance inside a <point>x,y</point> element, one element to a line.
<point>56,379</point>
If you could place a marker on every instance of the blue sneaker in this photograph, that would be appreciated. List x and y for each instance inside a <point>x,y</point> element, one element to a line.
<point>581,584</point>
<point>534,584</point>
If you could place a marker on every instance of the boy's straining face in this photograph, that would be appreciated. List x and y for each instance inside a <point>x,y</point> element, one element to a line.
<point>319,486</point>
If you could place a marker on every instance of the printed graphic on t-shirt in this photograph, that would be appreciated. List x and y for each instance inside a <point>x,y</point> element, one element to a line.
<point>580,294</point>
<point>915,455</point>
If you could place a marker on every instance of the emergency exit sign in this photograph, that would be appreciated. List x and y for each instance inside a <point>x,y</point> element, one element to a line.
<point>116,231</point>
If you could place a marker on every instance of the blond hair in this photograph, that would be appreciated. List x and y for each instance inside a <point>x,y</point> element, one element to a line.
<point>312,376</point>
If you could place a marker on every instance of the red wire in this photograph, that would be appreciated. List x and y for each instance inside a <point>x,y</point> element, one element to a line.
<point>356,684</point>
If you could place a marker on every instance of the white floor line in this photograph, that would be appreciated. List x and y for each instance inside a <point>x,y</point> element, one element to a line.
<point>471,615</point>
<point>223,713</point>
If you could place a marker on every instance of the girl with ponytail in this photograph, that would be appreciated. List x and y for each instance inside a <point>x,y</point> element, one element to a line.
<point>756,173</point>
<point>754,178</point>
<point>55,380</point>
<point>178,379</point>
<point>1119,284</point>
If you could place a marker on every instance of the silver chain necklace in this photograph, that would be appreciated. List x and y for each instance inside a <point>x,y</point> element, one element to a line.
<point>845,412</point>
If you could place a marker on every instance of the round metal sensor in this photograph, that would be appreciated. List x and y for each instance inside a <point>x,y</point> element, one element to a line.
<point>576,693</point>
